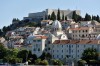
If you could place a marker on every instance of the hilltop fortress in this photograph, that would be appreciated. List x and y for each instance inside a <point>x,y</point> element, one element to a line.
<point>44,14</point>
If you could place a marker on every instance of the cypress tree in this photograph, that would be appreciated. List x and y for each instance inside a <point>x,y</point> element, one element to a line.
<point>74,16</point>
<point>53,16</point>
<point>87,17</point>
<point>65,17</point>
<point>97,18</point>
<point>58,15</point>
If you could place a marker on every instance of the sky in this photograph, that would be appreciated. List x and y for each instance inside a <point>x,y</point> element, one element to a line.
<point>10,9</point>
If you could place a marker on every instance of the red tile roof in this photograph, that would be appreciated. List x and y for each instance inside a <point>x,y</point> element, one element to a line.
<point>80,28</point>
<point>76,42</point>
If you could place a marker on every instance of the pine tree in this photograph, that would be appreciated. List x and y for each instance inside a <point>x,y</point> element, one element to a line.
<point>87,17</point>
<point>53,16</point>
<point>58,15</point>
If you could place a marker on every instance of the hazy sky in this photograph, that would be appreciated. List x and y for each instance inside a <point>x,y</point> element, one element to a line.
<point>10,9</point>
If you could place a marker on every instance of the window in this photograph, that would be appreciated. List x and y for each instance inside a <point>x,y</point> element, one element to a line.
<point>62,56</point>
<point>77,45</point>
<point>84,46</point>
<point>36,45</point>
<point>38,49</point>
<point>34,49</point>
<point>77,55</point>
<point>79,31</point>
<point>57,56</point>
<point>62,50</point>
<point>62,45</point>
<point>34,40</point>
<point>72,45</point>
<point>72,56</point>
<point>72,50</point>
<point>67,45</point>
<point>86,31</point>
<point>77,50</point>
<point>49,48</point>
<point>38,40</point>
<point>92,46</point>
<point>53,56</point>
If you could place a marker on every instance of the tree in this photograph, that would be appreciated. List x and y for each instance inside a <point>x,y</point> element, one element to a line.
<point>11,56</point>
<point>76,17</point>
<point>41,62</point>
<point>65,17</point>
<point>37,61</point>
<point>90,54</point>
<point>43,56</point>
<point>58,14</point>
<point>97,18</point>
<point>93,17</point>
<point>53,16</point>
<point>1,32</point>
<point>23,54</point>
<point>57,62</point>
<point>3,52</point>
<point>44,62</point>
<point>87,17</point>
<point>48,16</point>
<point>48,56</point>
<point>81,63</point>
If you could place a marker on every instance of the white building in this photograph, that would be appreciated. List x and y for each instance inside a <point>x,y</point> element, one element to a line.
<point>38,45</point>
<point>80,32</point>
<point>72,49</point>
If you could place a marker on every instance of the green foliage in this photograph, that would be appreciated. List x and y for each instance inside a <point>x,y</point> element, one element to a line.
<point>1,32</point>
<point>57,62</point>
<point>3,52</point>
<point>81,63</point>
<point>76,17</point>
<point>44,62</point>
<point>37,61</point>
<point>53,16</point>
<point>11,56</point>
<point>93,17</point>
<point>48,56</point>
<point>15,20</point>
<point>87,17</point>
<point>23,54</point>
<point>90,54</point>
<point>41,62</point>
<point>58,14</point>
<point>45,56</point>
<point>98,18</point>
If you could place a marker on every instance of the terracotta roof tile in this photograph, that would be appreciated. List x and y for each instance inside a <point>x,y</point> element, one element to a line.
<point>80,28</point>
<point>76,42</point>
